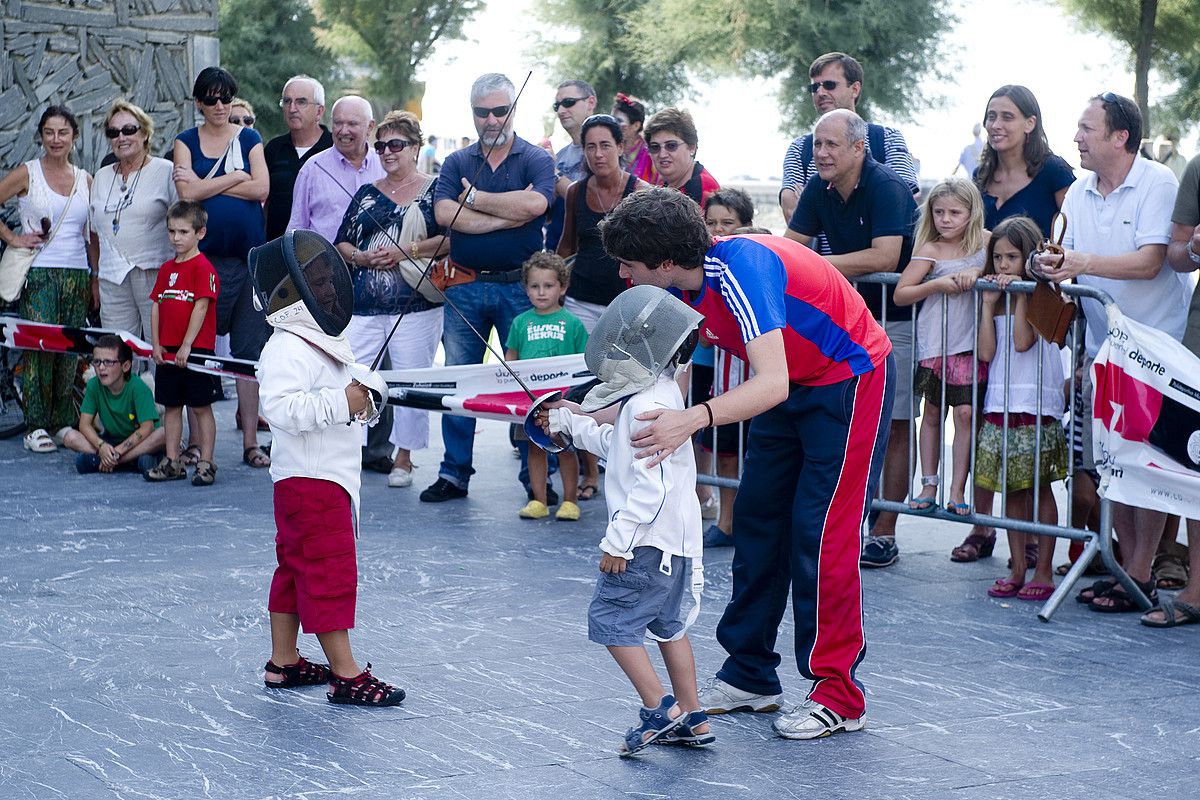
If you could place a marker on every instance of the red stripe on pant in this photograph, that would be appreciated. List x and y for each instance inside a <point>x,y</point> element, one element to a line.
<point>840,643</point>
<point>317,576</point>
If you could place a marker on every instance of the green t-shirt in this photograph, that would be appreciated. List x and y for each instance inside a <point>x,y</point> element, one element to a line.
<point>119,414</point>
<point>534,335</point>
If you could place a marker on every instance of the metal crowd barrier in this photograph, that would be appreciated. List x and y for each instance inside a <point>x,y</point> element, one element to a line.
<point>1095,542</point>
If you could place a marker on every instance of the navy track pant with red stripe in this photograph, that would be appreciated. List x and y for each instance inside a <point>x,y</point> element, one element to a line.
<point>812,464</point>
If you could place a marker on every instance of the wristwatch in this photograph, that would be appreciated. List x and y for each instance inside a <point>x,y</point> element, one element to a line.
<point>1192,254</point>
<point>470,201</point>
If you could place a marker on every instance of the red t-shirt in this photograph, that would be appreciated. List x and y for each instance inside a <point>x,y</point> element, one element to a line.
<point>179,285</point>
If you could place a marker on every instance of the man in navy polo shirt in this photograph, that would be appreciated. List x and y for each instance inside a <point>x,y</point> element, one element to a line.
<point>504,185</point>
<point>867,214</point>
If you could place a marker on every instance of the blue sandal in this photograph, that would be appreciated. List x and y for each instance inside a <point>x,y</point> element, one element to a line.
<point>686,734</point>
<point>655,721</point>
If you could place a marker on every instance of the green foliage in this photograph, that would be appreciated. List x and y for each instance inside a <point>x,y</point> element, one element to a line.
<point>391,38</point>
<point>265,42</point>
<point>1174,52</point>
<point>897,41</point>
<point>603,55</point>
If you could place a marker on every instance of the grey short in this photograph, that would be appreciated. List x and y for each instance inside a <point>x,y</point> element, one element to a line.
<point>905,406</point>
<point>626,605</point>
<point>247,327</point>
<point>1087,459</point>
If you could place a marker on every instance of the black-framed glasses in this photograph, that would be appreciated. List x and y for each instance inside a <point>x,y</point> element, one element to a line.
<point>213,99</point>
<point>246,120</point>
<point>568,102</point>
<point>1109,98</point>
<point>828,86</point>
<point>670,147</point>
<point>298,102</point>
<point>394,145</point>
<point>126,130</point>
<point>495,111</point>
<point>106,362</point>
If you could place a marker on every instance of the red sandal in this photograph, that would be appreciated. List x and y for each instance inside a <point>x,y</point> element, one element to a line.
<point>363,689</point>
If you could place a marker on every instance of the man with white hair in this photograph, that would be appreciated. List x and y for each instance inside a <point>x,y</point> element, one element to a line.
<point>493,196</point>
<point>328,181</point>
<point>303,106</point>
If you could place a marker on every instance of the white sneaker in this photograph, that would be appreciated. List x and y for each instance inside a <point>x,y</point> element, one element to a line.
<point>719,697</point>
<point>811,720</point>
<point>399,478</point>
<point>710,508</point>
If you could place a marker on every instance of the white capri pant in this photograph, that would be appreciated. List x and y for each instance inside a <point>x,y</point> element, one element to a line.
<point>588,313</point>
<point>413,346</point>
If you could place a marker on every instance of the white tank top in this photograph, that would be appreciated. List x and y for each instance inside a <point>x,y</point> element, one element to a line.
<point>1023,387</point>
<point>67,249</point>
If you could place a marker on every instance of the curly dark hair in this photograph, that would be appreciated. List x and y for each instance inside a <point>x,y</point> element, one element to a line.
<point>544,259</point>
<point>656,225</point>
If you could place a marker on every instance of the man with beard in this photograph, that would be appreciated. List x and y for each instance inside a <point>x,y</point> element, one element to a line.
<point>493,196</point>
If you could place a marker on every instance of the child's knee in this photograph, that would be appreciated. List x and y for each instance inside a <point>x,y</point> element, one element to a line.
<point>962,415</point>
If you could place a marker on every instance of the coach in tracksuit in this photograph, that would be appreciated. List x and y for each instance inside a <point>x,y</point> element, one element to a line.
<point>820,397</point>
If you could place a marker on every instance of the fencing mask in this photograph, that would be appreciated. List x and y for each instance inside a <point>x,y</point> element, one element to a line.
<point>642,332</point>
<point>303,266</point>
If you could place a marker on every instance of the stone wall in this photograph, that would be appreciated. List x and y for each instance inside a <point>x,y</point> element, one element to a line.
<point>87,53</point>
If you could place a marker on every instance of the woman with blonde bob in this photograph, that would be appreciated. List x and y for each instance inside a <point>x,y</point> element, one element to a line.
<point>129,203</point>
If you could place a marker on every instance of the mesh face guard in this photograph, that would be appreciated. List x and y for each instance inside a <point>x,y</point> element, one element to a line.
<point>643,331</point>
<point>303,266</point>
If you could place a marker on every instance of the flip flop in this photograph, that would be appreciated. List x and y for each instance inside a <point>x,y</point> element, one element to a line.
<point>1171,619</point>
<point>959,509</point>
<point>1037,592</point>
<point>922,505</point>
<point>1004,587</point>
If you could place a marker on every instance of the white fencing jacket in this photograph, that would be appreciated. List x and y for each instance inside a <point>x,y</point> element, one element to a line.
<point>654,507</point>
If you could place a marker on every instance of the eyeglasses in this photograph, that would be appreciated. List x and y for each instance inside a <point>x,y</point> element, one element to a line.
<point>670,147</point>
<point>394,145</point>
<point>246,120</point>
<point>568,102</point>
<point>299,102</point>
<point>601,118</point>
<point>495,111</point>
<point>828,86</point>
<point>1108,98</point>
<point>127,130</point>
<point>106,362</point>
<point>213,99</point>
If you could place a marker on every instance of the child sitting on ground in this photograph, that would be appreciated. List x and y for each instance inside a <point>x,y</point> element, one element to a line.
<point>543,331</point>
<point>118,423</point>
<point>183,321</point>
<point>653,537</point>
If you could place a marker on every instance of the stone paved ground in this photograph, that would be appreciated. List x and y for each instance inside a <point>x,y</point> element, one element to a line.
<point>133,632</point>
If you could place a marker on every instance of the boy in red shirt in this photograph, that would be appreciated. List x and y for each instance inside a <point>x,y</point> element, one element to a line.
<point>183,320</point>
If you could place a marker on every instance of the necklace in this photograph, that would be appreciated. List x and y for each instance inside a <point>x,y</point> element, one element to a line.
<point>411,179</point>
<point>607,206</point>
<point>128,189</point>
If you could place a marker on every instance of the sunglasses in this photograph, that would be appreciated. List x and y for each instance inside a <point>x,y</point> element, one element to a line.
<point>670,147</point>
<point>128,130</point>
<point>495,111</point>
<point>212,99</point>
<point>394,145</point>
<point>601,118</point>
<point>568,102</point>
<point>1110,99</point>
<point>106,362</point>
<point>828,86</point>
<point>246,120</point>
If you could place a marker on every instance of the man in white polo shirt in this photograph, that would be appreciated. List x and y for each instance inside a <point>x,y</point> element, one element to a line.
<point>1118,226</point>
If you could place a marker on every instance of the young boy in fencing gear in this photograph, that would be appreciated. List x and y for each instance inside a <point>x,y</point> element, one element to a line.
<point>653,538</point>
<point>314,400</point>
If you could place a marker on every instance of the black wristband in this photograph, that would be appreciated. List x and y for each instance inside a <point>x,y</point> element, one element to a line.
<point>708,408</point>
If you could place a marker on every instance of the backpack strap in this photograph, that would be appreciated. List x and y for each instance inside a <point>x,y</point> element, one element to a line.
<point>875,141</point>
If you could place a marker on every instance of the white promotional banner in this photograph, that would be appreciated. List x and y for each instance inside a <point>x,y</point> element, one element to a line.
<point>1146,418</point>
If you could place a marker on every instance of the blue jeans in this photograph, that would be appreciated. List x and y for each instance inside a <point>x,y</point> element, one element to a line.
<point>485,305</point>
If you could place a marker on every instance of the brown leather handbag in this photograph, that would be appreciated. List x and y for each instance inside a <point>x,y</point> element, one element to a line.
<point>1050,313</point>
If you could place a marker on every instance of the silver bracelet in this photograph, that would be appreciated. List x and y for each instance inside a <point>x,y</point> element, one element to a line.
<point>1192,253</point>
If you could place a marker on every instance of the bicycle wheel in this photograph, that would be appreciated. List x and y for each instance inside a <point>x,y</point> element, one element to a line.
<point>12,413</point>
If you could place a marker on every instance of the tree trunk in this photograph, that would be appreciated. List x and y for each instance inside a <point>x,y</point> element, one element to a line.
<point>1142,53</point>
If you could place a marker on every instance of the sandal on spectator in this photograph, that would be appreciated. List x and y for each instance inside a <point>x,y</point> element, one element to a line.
<point>255,457</point>
<point>924,505</point>
<point>686,732</point>
<point>1037,592</point>
<point>958,509</point>
<point>38,441</point>
<point>1119,601</point>
<point>587,491</point>
<point>364,689</point>
<point>656,723</point>
<point>1170,571</point>
<point>190,456</point>
<point>302,673</point>
<point>1097,589</point>
<point>168,469</point>
<point>1004,587</point>
<point>1175,612</point>
<point>974,547</point>
<point>205,474</point>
